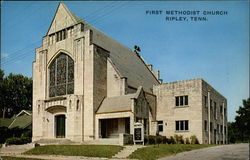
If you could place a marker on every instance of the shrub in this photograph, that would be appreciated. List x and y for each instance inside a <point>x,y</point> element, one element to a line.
<point>187,140</point>
<point>4,134</point>
<point>145,139</point>
<point>164,139</point>
<point>152,140</point>
<point>172,140</point>
<point>149,139</point>
<point>158,139</point>
<point>15,140</point>
<point>194,140</point>
<point>179,139</point>
<point>27,134</point>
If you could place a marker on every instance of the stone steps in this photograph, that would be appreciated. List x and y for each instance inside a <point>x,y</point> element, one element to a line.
<point>128,150</point>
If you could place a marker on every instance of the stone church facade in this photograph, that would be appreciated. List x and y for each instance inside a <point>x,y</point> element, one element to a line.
<point>86,87</point>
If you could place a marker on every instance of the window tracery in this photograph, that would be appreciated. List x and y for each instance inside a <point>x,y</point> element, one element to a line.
<point>61,71</point>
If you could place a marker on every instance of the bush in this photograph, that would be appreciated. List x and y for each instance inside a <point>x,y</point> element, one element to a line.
<point>27,134</point>
<point>187,140</point>
<point>15,140</point>
<point>179,139</point>
<point>145,139</point>
<point>158,139</point>
<point>194,140</point>
<point>4,134</point>
<point>164,139</point>
<point>171,140</point>
<point>149,139</point>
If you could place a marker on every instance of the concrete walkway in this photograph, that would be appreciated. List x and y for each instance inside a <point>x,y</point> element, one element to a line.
<point>223,152</point>
<point>16,149</point>
<point>127,151</point>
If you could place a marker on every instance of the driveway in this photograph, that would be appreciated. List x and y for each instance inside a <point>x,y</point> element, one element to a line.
<point>223,152</point>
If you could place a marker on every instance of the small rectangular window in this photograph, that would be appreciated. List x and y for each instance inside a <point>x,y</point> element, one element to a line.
<point>211,126</point>
<point>160,126</point>
<point>64,34</point>
<point>215,110</point>
<point>57,36</point>
<point>186,125</point>
<point>211,104</point>
<point>205,99</point>
<point>177,126</point>
<point>221,109</point>
<point>186,100</point>
<point>181,100</point>
<point>181,125</point>
<point>176,101</point>
<point>82,27</point>
<point>205,125</point>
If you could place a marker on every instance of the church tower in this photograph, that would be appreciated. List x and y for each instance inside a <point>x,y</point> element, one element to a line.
<point>62,102</point>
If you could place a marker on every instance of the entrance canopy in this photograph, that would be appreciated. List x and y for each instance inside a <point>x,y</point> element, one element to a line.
<point>116,104</point>
<point>56,108</point>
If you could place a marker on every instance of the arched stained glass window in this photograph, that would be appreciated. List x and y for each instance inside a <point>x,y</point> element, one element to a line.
<point>61,76</point>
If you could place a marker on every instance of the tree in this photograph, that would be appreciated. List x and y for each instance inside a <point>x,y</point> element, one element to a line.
<point>240,129</point>
<point>242,120</point>
<point>16,94</point>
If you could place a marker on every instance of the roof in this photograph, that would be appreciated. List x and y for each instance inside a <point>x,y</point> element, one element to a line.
<point>131,66</point>
<point>119,103</point>
<point>21,122</point>
<point>116,104</point>
<point>24,112</point>
<point>5,122</point>
<point>127,62</point>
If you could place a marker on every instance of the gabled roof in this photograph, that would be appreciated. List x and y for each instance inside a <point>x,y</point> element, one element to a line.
<point>24,112</point>
<point>119,103</point>
<point>116,104</point>
<point>21,122</point>
<point>5,122</point>
<point>62,15</point>
<point>127,62</point>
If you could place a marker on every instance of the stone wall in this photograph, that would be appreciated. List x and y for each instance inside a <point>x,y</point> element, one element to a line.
<point>169,113</point>
<point>217,116</point>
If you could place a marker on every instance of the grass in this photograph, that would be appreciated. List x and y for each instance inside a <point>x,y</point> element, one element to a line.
<point>76,150</point>
<point>17,158</point>
<point>155,152</point>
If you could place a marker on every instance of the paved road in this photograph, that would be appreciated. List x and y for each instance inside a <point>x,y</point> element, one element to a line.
<point>223,152</point>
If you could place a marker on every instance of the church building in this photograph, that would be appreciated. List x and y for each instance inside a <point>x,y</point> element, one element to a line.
<point>87,87</point>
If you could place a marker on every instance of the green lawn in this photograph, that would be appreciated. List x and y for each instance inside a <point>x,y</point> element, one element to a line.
<point>154,152</point>
<point>77,150</point>
<point>17,158</point>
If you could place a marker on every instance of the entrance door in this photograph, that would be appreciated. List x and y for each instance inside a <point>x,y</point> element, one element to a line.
<point>60,126</point>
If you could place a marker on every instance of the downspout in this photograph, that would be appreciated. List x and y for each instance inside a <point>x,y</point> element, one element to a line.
<point>208,102</point>
<point>223,119</point>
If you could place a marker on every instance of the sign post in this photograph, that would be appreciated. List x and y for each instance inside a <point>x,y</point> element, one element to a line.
<point>138,133</point>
